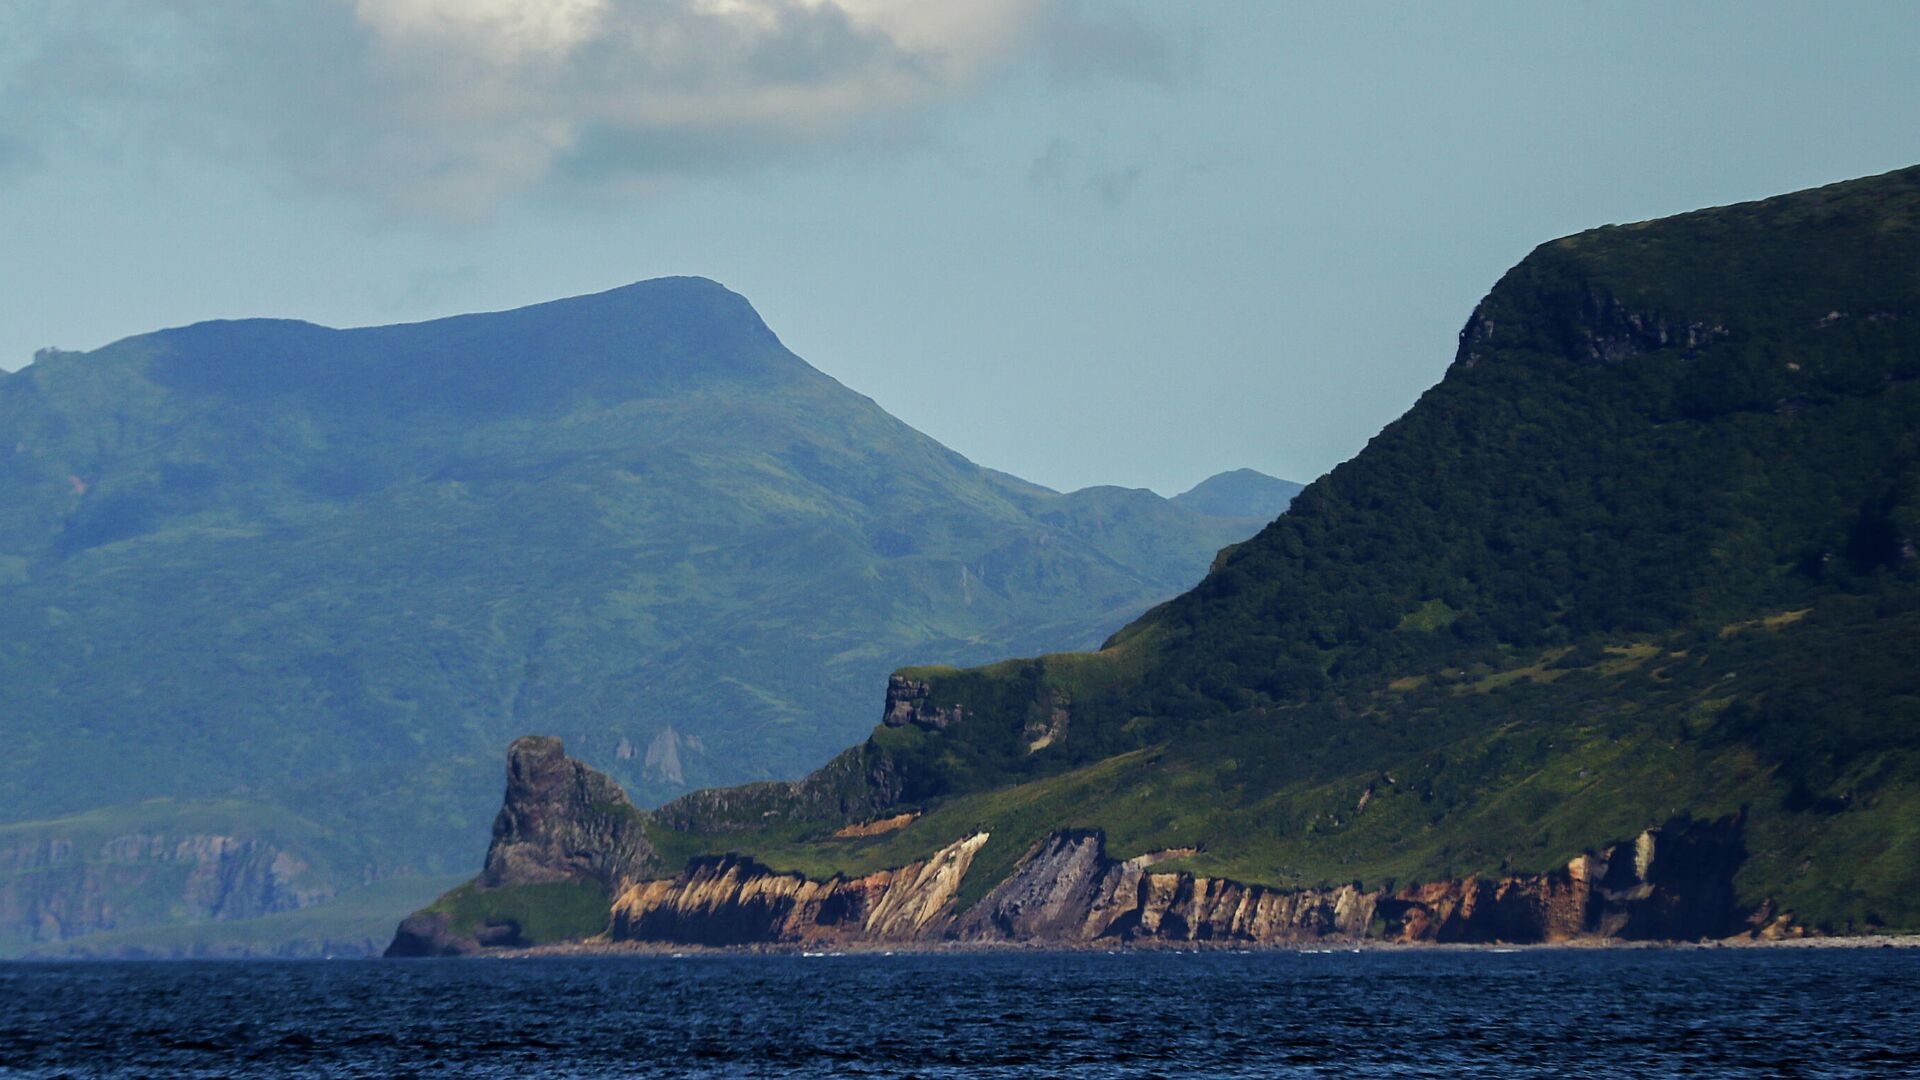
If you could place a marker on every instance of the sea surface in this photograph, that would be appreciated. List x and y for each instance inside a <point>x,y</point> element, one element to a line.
<point>1562,1013</point>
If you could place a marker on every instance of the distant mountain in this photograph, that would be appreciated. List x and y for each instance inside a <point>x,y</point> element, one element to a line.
<point>1615,634</point>
<point>1241,493</point>
<point>272,595</point>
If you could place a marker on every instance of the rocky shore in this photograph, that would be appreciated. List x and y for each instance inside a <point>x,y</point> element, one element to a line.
<point>563,824</point>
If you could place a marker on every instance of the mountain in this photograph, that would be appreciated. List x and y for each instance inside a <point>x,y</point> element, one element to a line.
<point>1616,633</point>
<point>272,594</point>
<point>1240,493</point>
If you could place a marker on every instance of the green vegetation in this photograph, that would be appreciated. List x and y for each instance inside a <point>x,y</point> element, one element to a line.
<point>535,914</point>
<point>337,571</point>
<point>1647,551</point>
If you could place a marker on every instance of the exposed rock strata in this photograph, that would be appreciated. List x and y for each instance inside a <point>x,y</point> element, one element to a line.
<point>564,822</point>
<point>1043,729</point>
<point>877,826</point>
<point>735,901</point>
<point>1669,883</point>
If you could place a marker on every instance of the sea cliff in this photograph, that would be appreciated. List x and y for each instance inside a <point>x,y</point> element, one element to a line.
<point>1669,883</point>
<point>565,831</point>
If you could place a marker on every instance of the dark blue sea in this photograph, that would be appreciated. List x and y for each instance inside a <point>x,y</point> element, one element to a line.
<point>1571,1013</point>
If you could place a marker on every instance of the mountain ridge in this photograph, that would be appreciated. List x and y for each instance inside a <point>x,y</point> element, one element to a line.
<point>277,564</point>
<point>1240,493</point>
<point>1641,564</point>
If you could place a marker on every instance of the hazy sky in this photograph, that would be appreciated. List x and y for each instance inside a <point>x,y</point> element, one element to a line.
<point>1083,242</point>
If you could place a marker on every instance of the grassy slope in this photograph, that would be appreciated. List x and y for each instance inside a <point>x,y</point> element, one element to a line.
<point>336,570</point>
<point>543,913</point>
<point>1646,551</point>
<point>1547,759</point>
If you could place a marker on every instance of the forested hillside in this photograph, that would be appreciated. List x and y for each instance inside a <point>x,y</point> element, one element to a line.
<point>266,571</point>
<point>1645,555</point>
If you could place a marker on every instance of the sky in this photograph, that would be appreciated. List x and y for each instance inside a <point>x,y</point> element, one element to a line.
<point>1083,242</point>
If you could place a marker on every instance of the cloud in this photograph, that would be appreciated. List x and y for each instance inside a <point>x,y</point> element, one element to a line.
<point>1100,41</point>
<point>447,108</point>
<point>1067,168</point>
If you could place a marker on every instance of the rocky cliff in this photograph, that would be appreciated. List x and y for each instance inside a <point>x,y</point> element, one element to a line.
<point>571,860</point>
<point>562,821</point>
<point>1669,883</point>
<point>565,837</point>
<point>63,885</point>
<point>734,901</point>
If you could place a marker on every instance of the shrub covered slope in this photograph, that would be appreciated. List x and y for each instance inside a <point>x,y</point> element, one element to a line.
<point>333,571</point>
<point>1646,551</point>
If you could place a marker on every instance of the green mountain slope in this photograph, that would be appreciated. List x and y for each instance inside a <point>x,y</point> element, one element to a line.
<point>1240,493</point>
<point>1646,553</point>
<point>332,571</point>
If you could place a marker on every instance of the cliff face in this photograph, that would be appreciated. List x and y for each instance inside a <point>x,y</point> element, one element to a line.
<point>734,901</point>
<point>1673,882</point>
<point>56,888</point>
<point>562,821</point>
<point>570,859</point>
<point>566,838</point>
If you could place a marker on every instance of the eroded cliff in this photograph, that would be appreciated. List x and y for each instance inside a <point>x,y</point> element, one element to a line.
<point>63,886</point>
<point>566,840</point>
<point>735,901</point>
<point>1669,883</point>
<point>571,860</point>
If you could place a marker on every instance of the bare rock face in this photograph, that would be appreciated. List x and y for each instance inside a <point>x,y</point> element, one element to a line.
<point>562,821</point>
<point>1068,890</point>
<point>1670,883</point>
<point>1043,729</point>
<point>1673,883</point>
<point>908,703</point>
<point>735,901</point>
<point>61,890</point>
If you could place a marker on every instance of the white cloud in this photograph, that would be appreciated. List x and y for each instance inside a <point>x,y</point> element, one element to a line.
<point>503,30</point>
<point>446,108</point>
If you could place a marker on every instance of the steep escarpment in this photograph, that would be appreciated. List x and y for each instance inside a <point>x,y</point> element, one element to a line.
<point>734,901</point>
<point>570,860</point>
<point>566,839</point>
<point>1669,883</point>
<point>562,821</point>
<point>1645,550</point>
<point>230,861</point>
<point>54,889</point>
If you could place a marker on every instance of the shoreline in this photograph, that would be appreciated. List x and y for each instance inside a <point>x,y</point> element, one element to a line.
<point>588,950</point>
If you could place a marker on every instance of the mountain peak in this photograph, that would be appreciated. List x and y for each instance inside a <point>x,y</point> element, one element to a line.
<point>1242,493</point>
<point>637,340</point>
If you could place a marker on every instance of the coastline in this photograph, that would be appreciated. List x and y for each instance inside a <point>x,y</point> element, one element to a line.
<point>616,949</point>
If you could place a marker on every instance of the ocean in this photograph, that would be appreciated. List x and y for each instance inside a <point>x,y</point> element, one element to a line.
<point>1382,1012</point>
